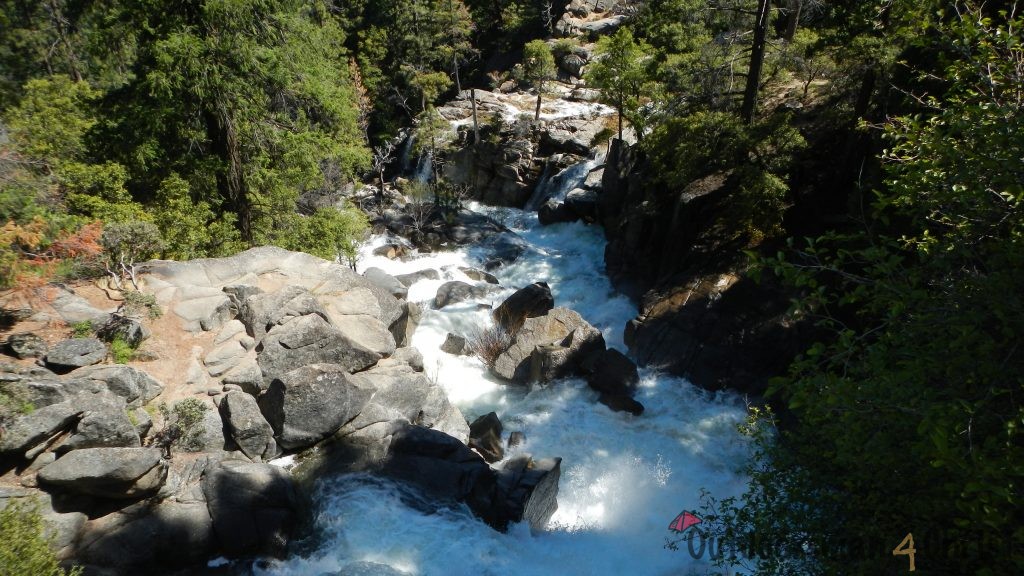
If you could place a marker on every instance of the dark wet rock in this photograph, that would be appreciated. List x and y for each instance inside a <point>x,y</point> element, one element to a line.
<point>621,403</point>
<point>485,437</point>
<point>611,372</point>
<point>516,438</point>
<point>457,345</point>
<point>529,302</point>
<point>75,353</point>
<point>555,212</point>
<point>528,490</point>
<point>252,507</point>
<point>26,345</point>
<point>522,489</point>
<point>118,473</point>
<point>479,275</point>
<point>414,277</point>
<point>457,291</point>
<point>312,402</point>
<point>310,340</point>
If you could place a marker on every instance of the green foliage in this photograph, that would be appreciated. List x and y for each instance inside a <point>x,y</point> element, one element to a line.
<point>621,70</point>
<point>192,229</point>
<point>329,233</point>
<point>49,124</point>
<point>25,546</point>
<point>907,418</point>
<point>82,329</point>
<point>538,64</point>
<point>185,418</point>
<point>758,158</point>
<point>120,351</point>
<point>125,244</point>
<point>137,303</point>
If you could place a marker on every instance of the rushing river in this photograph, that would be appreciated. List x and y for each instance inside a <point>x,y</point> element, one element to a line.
<point>624,478</point>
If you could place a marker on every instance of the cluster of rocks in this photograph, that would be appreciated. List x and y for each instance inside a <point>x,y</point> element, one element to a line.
<point>302,353</point>
<point>594,17</point>
<point>544,343</point>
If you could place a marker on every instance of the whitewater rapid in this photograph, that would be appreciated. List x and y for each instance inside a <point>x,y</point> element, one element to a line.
<point>624,478</point>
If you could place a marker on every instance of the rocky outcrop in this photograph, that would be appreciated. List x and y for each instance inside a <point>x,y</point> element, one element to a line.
<point>26,345</point>
<point>700,316</point>
<point>523,490</point>
<point>457,345</point>
<point>561,327</point>
<point>310,340</point>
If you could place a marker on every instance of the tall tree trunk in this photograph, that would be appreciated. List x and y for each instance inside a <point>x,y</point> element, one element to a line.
<point>793,18</point>
<point>57,19</point>
<point>231,184</point>
<point>536,115</point>
<point>455,68</point>
<point>749,108</point>
<point>476,123</point>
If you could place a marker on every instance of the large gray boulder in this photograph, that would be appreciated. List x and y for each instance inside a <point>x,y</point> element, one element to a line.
<point>118,473</point>
<point>262,312</point>
<point>561,327</point>
<point>386,281</point>
<point>75,353</point>
<point>458,291</point>
<point>130,330</point>
<point>310,403</point>
<point>404,327</point>
<point>310,340</point>
<point>252,507</point>
<point>367,331</point>
<point>104,423</point>
<point>529,302</point>
<point>404,395</point>
<point>248,427</point>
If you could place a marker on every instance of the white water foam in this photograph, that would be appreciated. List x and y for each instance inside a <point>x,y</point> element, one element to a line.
<point>624,478</point>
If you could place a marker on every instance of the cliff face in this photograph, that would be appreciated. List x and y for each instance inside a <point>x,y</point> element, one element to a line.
<point>701,315</point>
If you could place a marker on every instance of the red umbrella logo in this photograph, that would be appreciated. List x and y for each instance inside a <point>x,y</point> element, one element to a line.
<point>683,521</point>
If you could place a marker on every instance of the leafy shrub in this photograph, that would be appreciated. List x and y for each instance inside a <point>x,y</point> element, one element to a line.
<point>329,233</point>
<point>182,424</point>
<point>25,548</point>
<point>125,244</point>
<point>135,303</point>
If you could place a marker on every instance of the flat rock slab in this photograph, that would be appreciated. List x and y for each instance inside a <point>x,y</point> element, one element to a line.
<point>118,473</point>
<point>75,353</point>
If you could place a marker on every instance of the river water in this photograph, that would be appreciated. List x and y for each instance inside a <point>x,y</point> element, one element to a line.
<point>624,478</point>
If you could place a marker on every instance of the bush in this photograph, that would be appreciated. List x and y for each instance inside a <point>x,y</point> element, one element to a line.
<point>125,244</point>
<point>489,342</point>
<point>183,424</point>
<point>135,303</point>
<point>25,548</point>
<point>121,351</point>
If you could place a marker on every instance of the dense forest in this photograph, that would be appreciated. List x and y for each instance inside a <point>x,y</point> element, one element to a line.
<point>878,151</point>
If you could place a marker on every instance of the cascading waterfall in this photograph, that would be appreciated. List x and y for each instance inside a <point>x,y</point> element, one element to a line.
<point>424,168</point>
<point>558,186</point>
<point>624,478</point>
